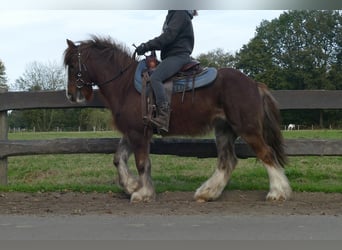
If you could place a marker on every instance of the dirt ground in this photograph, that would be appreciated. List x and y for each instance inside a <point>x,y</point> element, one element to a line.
<point>168,203</point>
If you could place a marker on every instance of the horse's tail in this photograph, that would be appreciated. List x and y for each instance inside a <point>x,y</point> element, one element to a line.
<point>271,124</point>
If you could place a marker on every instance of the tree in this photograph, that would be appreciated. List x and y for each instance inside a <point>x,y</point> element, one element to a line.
<point>217,59</point>
<point>3,78</point>
<point>40,76</point>
<point>99,118</point>
<point>299,50</point>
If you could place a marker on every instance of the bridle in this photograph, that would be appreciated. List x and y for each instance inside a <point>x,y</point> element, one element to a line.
<point>80,83</point>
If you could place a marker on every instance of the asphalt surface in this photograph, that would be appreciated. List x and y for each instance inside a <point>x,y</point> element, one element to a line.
<point>108,227</point>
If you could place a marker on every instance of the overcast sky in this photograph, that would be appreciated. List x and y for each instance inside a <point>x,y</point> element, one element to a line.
<point>39,35</point>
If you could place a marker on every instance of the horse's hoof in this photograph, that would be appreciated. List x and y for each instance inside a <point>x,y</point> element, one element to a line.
<point>276,197</point>
<point>141,196</point>
<point>138,199</point>
<point>130,186</point>
<point>201,197</point>
<point>201,200</point>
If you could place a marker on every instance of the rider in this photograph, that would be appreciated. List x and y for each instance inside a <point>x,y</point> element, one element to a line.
<point>176,44</point>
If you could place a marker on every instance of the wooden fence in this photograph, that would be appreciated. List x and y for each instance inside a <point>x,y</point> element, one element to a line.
<point>202,148</point>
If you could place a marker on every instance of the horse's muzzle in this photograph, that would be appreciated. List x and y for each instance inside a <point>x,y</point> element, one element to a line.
<point>77,97</point>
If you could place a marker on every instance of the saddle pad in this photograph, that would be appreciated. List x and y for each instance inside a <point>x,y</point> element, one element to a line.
<point>179,85</point>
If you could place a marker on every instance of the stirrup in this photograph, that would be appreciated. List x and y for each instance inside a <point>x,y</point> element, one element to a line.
<point>160,127</point>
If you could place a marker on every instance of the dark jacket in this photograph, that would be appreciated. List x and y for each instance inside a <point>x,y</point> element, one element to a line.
<point>177,36</point>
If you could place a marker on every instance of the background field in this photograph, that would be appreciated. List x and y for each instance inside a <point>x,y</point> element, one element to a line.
<point>95,172</point>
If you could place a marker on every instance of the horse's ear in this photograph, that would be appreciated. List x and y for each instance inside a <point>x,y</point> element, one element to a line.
<point>70,43</point>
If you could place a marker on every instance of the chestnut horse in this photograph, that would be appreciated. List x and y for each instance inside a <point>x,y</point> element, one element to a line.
<point>233,105</point>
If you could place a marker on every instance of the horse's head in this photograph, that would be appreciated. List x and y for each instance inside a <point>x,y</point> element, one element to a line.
<point>79,84</point>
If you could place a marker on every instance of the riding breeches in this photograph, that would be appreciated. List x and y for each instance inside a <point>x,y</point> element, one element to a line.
<point>166,68</point>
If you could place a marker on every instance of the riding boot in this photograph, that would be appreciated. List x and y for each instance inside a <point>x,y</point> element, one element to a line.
<point>161,121</point>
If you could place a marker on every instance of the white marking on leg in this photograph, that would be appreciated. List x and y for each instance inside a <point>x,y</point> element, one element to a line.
<point>279,185</point>
<point>213,187</point>
<point>146,192</point>
<point>128,182</point>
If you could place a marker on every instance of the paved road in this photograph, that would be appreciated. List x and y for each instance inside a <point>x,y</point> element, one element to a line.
<point>170,227</point>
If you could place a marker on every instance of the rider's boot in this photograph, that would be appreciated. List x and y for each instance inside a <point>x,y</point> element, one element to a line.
<point>161,121</point>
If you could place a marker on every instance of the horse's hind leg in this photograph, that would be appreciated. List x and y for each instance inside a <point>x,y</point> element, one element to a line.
<point>279,185</point>
<point>227,160</point>
<point>126,180</point>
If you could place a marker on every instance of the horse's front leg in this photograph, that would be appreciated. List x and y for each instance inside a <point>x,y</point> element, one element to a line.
<point>126,180</point>
<point>146,190</point>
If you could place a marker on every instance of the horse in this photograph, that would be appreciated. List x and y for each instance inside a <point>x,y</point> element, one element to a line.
<point>233,105</point>
<point>291,126</point>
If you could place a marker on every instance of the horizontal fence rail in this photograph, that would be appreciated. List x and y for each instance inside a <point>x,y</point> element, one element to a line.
<point>202,148</point>
<point>43,99</point>
<point>287,99</point>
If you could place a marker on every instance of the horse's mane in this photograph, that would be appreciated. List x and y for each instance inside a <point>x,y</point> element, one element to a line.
<point>107,46</point>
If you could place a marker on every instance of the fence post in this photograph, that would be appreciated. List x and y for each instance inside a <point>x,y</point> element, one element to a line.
<point>3,136</point>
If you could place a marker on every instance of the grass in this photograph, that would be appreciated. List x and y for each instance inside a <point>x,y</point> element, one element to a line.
<point>313,134</point>
<point>95,172</point>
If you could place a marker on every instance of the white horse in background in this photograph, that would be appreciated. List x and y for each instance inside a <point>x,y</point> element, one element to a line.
<point>291,126</point>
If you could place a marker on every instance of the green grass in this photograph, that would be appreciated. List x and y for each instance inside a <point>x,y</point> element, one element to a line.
<point>95,172</point>
<point>313,134</point>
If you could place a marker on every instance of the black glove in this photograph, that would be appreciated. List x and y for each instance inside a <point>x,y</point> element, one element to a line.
<point>141,49</point>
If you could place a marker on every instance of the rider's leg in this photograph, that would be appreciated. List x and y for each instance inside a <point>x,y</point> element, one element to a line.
<point>167,68</point>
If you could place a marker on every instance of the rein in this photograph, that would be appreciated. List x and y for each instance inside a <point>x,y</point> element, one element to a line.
<point>81,83</point>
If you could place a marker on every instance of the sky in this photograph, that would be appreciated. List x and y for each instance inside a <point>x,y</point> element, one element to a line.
<point>29,36</point>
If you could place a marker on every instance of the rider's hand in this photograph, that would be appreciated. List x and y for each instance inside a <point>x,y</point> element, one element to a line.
<point>141,49</point>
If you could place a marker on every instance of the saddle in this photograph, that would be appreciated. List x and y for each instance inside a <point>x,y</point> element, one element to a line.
<point>189,69</point>
<point>190,77</point>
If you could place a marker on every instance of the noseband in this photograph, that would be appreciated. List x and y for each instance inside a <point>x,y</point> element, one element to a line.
<point>80,83</point>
